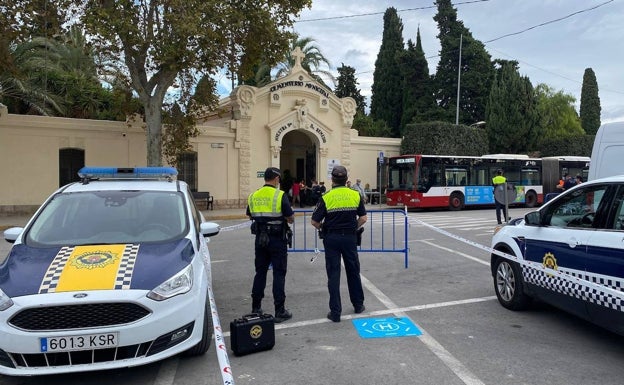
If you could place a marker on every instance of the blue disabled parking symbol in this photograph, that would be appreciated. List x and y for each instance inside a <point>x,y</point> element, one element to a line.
<point>386,327</point>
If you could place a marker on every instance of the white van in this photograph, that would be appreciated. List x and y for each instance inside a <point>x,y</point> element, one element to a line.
<point>608,151</point>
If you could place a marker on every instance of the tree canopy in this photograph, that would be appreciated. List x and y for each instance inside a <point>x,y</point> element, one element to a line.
<point>477,70</point>
<point>590,103</point>
<point>387,94</point>
<point>418,101</point>
<point>348,86</point>
<point>557,116</point>
<point>511,112</point>
<point>163,46</point>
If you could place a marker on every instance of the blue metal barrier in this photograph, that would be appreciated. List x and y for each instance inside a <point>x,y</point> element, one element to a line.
<point>385,224</point>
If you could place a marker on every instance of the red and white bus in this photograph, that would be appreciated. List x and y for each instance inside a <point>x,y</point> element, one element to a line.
<point>422,181</point>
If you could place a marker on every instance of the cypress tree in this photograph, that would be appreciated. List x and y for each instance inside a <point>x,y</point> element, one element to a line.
<point>347,86</point>
<point>418,102</point>
<point>477,69</point>
<point>590,103</point>
<point>511,112</point>
<point>387,94</point>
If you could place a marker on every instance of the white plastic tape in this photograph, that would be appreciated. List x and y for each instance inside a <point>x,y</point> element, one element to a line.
<point>533,265</point>
<point>220,346</point>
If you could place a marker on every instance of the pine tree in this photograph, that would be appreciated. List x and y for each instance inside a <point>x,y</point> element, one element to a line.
<point>347,86</point>
<point>418,102</point>
<point>387,94</point>
<point>590,103</point>
<point>477,69</point>
<point>511,112</point>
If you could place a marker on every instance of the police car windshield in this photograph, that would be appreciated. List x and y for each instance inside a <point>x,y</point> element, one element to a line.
<point>109,217</point>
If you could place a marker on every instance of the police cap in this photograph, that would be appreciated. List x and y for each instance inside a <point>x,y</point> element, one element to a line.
<point>339,172</point>
<point>272,173</point>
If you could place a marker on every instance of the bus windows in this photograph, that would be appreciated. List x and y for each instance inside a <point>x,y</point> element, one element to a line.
<point>456,176</point>
<point>531,177</point>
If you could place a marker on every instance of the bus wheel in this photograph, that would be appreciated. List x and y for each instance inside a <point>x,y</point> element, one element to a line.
<point>456,201</point>
<point>530,199</point>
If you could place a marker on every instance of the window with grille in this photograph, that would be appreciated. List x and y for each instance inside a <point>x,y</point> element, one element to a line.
<point>187,169</point>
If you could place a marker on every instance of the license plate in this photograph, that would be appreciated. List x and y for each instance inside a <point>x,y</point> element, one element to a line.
<point>79,342</point>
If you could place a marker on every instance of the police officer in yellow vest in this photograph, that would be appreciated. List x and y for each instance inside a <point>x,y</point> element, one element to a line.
<point>338,216</point>
<point>499,182</point>
<point>269,209</point>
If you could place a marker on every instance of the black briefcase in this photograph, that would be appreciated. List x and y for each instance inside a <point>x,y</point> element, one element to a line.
<point>252,333</point>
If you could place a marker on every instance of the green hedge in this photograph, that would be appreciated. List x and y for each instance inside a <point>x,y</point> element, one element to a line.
<point>442,138</point>
<point>580,145</point>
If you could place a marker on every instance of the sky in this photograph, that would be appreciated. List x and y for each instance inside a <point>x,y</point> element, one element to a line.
<point>556,53</point>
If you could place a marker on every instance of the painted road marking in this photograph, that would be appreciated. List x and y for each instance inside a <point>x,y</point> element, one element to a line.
<point>386,327</point>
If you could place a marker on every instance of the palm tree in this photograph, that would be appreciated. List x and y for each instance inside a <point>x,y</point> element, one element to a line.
<point>312,61</point>
<point>21,85</point>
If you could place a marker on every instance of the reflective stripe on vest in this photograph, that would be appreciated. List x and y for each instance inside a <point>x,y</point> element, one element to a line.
<point>341,199</point>
<point>266,202</point>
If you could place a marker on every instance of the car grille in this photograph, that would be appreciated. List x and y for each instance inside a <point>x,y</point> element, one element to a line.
<point>85,357</point>
<point>78,316</point>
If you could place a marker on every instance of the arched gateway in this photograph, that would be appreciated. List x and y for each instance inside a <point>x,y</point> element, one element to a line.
<point>293,123</point>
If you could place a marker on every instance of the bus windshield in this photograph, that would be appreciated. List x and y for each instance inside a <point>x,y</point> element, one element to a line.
<point>402,174</point>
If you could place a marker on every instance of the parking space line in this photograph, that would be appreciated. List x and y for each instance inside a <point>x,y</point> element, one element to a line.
<point>296,324</point>
<point>487,263</point>
<point>434,346</point>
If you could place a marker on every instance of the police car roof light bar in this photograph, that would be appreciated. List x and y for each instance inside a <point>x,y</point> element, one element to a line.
<point>89,173</point>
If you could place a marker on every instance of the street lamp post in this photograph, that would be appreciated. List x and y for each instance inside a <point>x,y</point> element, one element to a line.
<point>458,78</point>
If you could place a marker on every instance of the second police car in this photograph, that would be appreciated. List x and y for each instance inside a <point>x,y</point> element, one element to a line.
<point>110,272</point>
<point>569,253</point>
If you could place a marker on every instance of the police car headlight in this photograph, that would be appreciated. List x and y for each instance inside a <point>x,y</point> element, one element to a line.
<point>5,301</point>
<point>178,284</point>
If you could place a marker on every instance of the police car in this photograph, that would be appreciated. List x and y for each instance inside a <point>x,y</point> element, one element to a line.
<point>569,253</point>
<point>110,272</point>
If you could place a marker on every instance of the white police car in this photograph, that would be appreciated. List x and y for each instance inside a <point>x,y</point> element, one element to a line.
<point>569,253</point>
<point>110,272</point>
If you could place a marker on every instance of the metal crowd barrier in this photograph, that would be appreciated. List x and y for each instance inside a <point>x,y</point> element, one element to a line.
<point>386,231</point>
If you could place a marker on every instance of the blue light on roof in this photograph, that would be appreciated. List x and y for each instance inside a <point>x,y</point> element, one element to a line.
<point>127,172</point>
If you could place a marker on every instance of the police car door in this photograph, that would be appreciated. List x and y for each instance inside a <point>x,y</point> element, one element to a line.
<point>605,266</point>
<point>561,244</point>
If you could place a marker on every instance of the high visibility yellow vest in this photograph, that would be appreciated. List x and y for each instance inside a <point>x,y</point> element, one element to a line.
<point>266,202</point>
<point>499,179</point>
<point>341,198</point>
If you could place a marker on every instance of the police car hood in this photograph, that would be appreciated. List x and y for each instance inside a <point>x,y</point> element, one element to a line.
<point>34,270</point>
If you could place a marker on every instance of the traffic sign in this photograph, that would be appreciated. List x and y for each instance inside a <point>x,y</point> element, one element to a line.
<point>381,157</point>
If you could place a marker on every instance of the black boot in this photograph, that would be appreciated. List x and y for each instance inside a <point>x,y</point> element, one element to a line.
<point>256,306</point>
<point>282,314</point>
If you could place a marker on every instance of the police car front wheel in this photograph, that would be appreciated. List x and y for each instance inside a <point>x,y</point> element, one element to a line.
<point>509,286</point>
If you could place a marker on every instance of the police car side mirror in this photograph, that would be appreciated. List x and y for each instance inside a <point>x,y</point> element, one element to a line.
<point>11,234</point>
<point>209,229</point>
<point>533,218</point>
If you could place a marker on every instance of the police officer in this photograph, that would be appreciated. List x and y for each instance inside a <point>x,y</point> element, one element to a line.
<point>499,182</point>
<point>269,209</point>
<point>338,216</point>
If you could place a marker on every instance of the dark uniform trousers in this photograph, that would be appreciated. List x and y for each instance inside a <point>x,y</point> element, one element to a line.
<point>275,253</point>
<point>345,243</point>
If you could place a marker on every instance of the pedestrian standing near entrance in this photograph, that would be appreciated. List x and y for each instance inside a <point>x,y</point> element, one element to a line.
<point>295,193</point>
<point>338,216</point>
<point>270,211</point>
<point>499,183</point>
<point>358,187</point>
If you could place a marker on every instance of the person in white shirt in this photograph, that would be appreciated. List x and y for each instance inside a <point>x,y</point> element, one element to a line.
<point>358,187</point>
